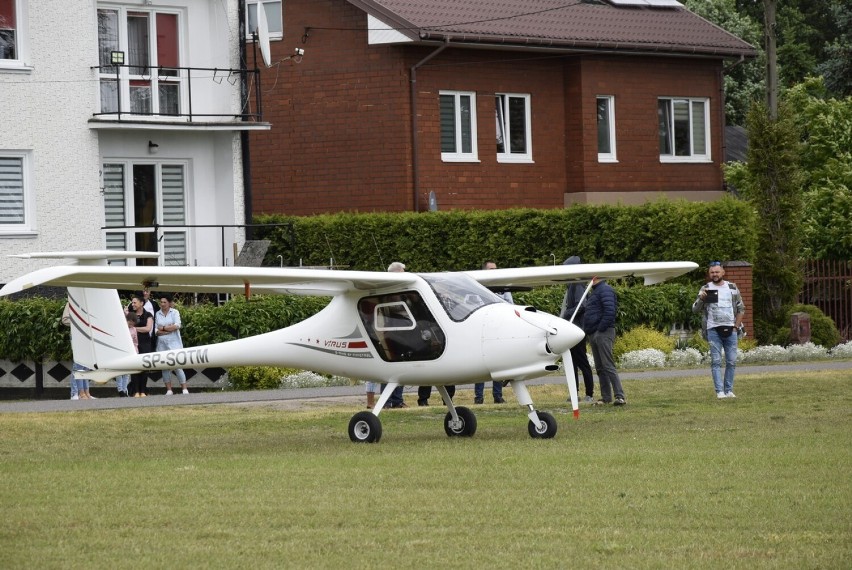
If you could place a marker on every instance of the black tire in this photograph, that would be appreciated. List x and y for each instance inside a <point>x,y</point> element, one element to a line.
<point>549,429</point>
<point>467,420</point>
<point>364,427</point>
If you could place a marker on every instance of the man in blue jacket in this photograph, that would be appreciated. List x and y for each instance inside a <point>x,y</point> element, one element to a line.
<point>599,326</point>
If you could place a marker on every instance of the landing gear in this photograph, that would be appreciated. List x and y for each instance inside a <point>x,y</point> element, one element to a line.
<point>464,426</point>
<point>365,427</point>
<point>545,429</point>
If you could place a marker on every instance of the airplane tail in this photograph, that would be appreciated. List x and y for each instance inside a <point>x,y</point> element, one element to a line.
<point>99,332</point>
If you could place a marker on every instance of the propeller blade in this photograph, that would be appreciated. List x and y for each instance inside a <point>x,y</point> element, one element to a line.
<point>568,364</point>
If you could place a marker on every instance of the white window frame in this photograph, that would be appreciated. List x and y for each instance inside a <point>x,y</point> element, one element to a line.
<point>129,214</point>
<point>22,44</point>
<point>692,156</point>
<point>459,156</point>
<point>28,228</point>
<point>610,156</point>
<point>505,127</point>
<point>125,76</point>
<point>274,23</point>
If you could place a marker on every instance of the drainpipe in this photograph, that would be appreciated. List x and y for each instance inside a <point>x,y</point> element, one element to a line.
<point>244,135</point>
<point>415,158</point>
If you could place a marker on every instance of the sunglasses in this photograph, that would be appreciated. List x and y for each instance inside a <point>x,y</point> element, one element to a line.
<point>715,263</point>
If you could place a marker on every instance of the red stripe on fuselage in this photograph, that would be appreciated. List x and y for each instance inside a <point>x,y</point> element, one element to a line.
<point>82,320</point>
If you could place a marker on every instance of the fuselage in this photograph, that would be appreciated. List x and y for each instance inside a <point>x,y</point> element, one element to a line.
<point>447,329</point>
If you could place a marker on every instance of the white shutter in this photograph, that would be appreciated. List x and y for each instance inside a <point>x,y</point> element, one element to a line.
<point>12,190</point>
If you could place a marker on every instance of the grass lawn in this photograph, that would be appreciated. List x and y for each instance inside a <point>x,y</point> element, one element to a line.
<point>676,479</point>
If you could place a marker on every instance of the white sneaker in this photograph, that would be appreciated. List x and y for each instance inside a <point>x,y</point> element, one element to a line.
<point>721,395</point>
<point>185,391</point>
<point>169,393</point>
<point>75,397</point>
<point>588,399</point>
<point>92,397</point>
<point>730,395</point>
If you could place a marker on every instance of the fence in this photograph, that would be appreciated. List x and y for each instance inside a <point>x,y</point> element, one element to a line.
<point>828,285</point>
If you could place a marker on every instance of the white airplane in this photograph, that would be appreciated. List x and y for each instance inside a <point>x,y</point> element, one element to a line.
<point>410,329</point>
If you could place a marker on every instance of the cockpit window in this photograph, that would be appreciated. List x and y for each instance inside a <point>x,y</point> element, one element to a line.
<point>459,294</point>
<point>401,327</point>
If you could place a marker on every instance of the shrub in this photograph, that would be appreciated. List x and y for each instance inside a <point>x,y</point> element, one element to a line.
<point>257,377</point>
<point>645,358</point>
<point>640,338</point>
<point>823,330</point>
<point>842,350</point>
<point>683,358</point>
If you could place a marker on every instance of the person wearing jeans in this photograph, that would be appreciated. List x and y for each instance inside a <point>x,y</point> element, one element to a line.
<point>722,311</point>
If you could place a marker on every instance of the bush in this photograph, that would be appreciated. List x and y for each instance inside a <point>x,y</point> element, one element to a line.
<point>257,377</point>
<point>641,338</point>
<point>823,330</point>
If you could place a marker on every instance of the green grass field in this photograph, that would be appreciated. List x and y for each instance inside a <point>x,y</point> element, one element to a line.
<point>676,479</point>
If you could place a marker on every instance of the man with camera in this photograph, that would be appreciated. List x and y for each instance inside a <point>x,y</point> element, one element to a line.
<point>721,325</point>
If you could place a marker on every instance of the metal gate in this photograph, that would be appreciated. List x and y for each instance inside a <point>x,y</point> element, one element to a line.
<point>828,285</point>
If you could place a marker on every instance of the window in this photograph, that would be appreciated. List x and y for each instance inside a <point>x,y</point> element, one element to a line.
<point>458,126</point>
<point>12,34</point>
<point>16,210</point>
<point>513,128</point>
<point>606,128</point>
<point>274,17</point>
<point>140,195</point>
<point>684,126</point>
<point>149,83</point>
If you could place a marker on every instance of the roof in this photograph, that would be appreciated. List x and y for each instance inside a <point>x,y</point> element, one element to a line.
<point>566,25</point>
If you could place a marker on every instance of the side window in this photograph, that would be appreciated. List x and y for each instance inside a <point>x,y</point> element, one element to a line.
<point>17,214</point>
<point>401,327</point>
<point>684,128</point>
<point>274,10</point>
<point>458,126</point>
<point>12,33</point>
<point>606,128</point>
<point>514,132</point>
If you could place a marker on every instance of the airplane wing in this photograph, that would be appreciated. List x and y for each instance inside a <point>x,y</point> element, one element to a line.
<point>654,272</point>
<point>292,281</point>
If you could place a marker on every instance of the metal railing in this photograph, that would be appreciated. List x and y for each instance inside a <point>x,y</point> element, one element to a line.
<point>180,76</point>
<point>828,285</point>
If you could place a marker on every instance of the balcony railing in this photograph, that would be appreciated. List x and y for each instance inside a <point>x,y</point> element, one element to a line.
<point>128,92</point>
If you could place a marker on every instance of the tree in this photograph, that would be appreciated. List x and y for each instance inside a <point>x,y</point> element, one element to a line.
<point>743,81</point>
<point>773,185</point>
<point>837,64</point>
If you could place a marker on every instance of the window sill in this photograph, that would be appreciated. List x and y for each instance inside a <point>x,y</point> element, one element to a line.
<point>459,158</point>
<point>507,159</point>
<point>685,160</point>
<point>14,66</point>
<point>607,159</point>
<point>17,233</point>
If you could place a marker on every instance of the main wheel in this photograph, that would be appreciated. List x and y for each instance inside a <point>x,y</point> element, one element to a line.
<point>465,427</point>
<point>548,428</point>
<point>364,427</point>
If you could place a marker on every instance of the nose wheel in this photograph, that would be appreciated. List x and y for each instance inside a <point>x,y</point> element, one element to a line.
<point>545,429</point>
<point>465,426</point>
<point>364,427</point>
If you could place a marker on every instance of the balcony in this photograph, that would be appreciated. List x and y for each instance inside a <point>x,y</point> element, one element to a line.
<point>178,98</point>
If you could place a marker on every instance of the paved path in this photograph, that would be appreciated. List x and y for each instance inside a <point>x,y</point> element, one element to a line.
<point>301,397</point>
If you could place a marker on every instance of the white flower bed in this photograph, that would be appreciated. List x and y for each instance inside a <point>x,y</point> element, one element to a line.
<point>807,351</point>
<point>308,379</point>
<point>684,358</point>
<point>842,350</point>
<point>645,358</point>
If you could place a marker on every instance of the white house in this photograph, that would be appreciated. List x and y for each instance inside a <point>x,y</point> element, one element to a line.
<point>122,126</point>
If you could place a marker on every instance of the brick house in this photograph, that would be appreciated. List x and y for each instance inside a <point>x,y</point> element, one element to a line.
<point>488,104</point>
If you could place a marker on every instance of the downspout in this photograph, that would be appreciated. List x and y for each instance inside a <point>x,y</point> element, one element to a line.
<point>244,134</point>
<point>415,150</point>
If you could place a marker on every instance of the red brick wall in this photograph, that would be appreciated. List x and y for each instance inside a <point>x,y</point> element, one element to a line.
<point>636,83</point>
<point>341,122</point>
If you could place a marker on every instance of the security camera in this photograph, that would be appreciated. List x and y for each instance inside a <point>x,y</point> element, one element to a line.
<point>298,52</point>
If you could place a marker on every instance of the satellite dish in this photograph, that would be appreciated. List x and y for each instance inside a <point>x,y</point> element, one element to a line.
<point>263,34</point>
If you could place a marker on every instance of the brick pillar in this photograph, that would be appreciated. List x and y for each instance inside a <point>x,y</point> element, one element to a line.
<point>740,273</point>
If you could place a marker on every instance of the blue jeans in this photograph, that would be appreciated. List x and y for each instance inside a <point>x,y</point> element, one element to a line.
<point>496,390</point>
<point>717,346</point>
<point>78,384</point>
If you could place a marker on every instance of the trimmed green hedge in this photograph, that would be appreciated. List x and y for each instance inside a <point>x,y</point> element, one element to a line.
<point>459,240</point>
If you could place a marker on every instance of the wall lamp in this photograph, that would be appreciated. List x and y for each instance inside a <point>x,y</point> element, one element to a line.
<point>153,148</point>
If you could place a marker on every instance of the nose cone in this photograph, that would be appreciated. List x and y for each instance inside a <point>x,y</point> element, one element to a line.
<point>567,336</point>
